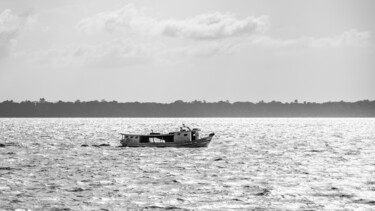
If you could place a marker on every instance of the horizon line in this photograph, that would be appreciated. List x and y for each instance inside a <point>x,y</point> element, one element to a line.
<point>43,100</point>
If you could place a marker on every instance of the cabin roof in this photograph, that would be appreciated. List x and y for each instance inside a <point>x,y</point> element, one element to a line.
<point>148,135</point>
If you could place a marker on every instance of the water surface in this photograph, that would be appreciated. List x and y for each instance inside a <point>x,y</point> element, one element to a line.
<point>252,164</point>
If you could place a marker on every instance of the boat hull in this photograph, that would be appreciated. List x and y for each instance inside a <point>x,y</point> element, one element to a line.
<point>203,142</point>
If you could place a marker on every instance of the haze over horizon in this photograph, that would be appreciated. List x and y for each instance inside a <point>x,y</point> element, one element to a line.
<point>164,51</point>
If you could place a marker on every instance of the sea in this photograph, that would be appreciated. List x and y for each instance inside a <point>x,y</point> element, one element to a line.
<point>251,164</point>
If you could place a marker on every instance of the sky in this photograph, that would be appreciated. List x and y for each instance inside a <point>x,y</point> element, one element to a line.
<point>168,50</point>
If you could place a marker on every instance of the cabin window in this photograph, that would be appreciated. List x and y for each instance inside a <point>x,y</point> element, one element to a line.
<point>126,136</point>
<point>156,139</point>
<point>144,139</point>
<point>169,139</point>
<point>185,134</point>
<point>178,134</point>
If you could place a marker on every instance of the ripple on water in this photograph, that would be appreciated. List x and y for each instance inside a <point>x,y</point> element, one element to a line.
<point>259,164</point>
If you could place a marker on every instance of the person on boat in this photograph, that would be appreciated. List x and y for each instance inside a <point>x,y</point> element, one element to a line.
<point>183,126</point>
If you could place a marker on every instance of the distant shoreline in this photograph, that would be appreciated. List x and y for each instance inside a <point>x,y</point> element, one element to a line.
<point>180,109</point>
<point>191,117</point>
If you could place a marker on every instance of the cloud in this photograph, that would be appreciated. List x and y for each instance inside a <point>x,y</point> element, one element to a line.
<point>220,32</point>
<point>115,53</point>
<point>201,36</point>
<point>125,52</point>
<point>202,27</point>
<point>11,26</point>
<point>204,50</point>
<point>213,26</point>
<point>350,38</point>
<point>125,19</point>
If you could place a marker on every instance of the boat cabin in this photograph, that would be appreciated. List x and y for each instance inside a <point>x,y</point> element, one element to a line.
<point>182,136</point>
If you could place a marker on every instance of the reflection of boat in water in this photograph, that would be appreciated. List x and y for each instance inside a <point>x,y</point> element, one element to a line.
<point>183,138</point>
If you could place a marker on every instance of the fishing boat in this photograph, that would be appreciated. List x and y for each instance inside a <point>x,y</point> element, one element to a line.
<point>185,137</point>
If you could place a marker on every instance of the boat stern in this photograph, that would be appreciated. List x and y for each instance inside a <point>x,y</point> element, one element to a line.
<point>203,142</point>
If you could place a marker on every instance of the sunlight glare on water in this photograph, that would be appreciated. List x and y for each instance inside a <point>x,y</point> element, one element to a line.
<point>283,164</point>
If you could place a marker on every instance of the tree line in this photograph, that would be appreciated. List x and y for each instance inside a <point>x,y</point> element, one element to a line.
<point>179,108</point>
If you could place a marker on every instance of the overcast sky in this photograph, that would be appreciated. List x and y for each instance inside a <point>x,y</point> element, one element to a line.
<point>167,50</point>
